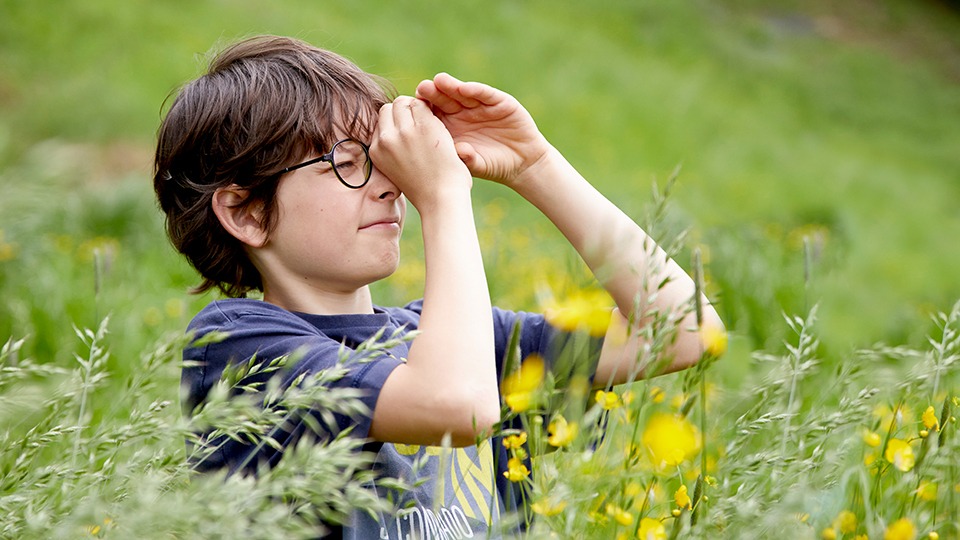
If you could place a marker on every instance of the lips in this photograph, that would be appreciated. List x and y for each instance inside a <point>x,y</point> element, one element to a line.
<point>387,222</point>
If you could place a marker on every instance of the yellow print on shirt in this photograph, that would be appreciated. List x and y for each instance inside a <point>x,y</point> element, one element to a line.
<point>468,479</point>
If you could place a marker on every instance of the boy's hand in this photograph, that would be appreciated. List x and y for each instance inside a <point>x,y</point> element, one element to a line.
<point>415,151</point>
<point>495,136</point>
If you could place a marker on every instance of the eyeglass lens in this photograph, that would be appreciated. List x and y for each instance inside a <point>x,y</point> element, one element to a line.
<point>351,163</point>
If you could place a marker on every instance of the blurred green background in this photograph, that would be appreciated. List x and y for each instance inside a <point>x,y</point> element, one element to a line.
<point>792,122</point>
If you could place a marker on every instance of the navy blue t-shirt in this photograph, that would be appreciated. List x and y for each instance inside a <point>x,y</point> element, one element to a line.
<point>473,489</point>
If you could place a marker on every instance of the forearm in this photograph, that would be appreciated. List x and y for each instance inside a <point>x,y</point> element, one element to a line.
<point>455,349</point>
<point>625,260</point>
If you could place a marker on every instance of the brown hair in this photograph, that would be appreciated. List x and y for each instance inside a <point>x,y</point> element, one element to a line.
<point>264,103</point>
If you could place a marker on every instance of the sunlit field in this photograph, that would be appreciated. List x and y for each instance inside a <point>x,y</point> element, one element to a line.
<point>801,160</point>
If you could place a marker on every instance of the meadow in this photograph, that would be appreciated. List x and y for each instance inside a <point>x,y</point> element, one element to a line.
<point>805,152</point>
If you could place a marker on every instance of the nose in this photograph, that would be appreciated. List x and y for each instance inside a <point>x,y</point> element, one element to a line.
<point>381,187</point>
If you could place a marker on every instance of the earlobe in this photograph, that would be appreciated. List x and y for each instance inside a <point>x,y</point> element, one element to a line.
<point>243,222</point>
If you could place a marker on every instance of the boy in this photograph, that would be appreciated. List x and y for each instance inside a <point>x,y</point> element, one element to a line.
<point>286,169</point>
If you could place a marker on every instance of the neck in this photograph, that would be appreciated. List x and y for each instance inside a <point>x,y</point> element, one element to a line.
<point>321,302</point>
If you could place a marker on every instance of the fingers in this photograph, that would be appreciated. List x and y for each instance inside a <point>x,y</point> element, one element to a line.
<point>409,121</point>
<point>428,90</point>
<point>469,94</point>
<point>451,95</point>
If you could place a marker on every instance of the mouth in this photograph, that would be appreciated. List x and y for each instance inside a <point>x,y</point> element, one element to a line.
<point>389,223</point>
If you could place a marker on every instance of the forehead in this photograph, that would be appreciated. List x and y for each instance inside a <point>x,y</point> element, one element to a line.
<point>356,124</point>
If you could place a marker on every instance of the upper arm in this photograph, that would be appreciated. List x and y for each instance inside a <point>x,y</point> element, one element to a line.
<point>411,409</point>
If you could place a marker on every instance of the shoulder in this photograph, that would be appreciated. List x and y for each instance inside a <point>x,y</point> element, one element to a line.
<point>408,315</point>
<point>234,309</point>
<point>530,324</point>
<point>233,314</point>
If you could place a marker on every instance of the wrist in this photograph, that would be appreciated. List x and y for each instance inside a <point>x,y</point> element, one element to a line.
<point>540,172</point>
<point>443,191</point>
<point>445,199</point>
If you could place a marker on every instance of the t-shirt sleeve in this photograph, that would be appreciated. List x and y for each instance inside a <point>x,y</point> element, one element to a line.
<point>565,354</point>
<point>260,331</point>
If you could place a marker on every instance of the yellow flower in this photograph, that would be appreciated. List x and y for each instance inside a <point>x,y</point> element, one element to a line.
<point>933,535</point>
<point>519,388</point>
<point>547,506</point>
<point>927,491</point>
<point>670,439</point>
<point>930,419</point>
<point>8,251</point>
<point>846,522</point>
<point>583,310</point>
<point>657,395</point>
<point>901,529</point>
<point>681,497</point>
<point>892,417</point>
<point>714,341</point>
<point>871,439</point>
<point>678,401</point>
<point>861,537</point>
<point>651,529</point>
<point>828,534</point>
<point>608,400</point>
<point>174,308</point>
<point>516,470</point>
<point>516,441</point>
<point>619,515</point>
<point>561,433</point>
<point>519,401</point>
<point>900,454</point>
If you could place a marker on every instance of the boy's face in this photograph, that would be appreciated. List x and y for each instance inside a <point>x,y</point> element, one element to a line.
<point>330,237</point>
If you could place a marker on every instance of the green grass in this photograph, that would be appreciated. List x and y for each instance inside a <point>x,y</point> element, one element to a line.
<point>834,123</point>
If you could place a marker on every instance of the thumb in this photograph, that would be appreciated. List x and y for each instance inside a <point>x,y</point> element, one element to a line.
<point>468,155</point>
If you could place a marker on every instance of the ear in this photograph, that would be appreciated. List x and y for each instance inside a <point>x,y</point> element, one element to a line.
<point>245,223</point>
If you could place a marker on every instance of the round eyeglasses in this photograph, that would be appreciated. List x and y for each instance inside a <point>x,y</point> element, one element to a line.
<point>350,160</point>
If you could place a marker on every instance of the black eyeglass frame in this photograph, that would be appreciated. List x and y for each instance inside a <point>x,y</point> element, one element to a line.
<point>328,158</point>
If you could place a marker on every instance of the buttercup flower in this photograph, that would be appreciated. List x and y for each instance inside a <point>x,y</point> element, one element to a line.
<point>927,491</point>
<point>828,534</point>
<point>681,497</point>
<point>714,341</point>
<point>8,251</point>
<point>651,529</point>
<point>584,310</point>
<point>548,506</point>
<point>846,522</point>
<point>608,400</point>
<point>561,432</point>
<point>516,441</point>
<point>516,470</point>
<point>930,419</point>
<point>871,439</point>
<point>901,529</point>
<point>670,439</point>
<point>519,388</point>
<point>619,515</point>
<point>893,417</point>
<point>900,454</point>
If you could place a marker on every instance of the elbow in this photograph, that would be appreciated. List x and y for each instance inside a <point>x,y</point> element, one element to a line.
<point>470,417</point>
<point>709,341</point>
